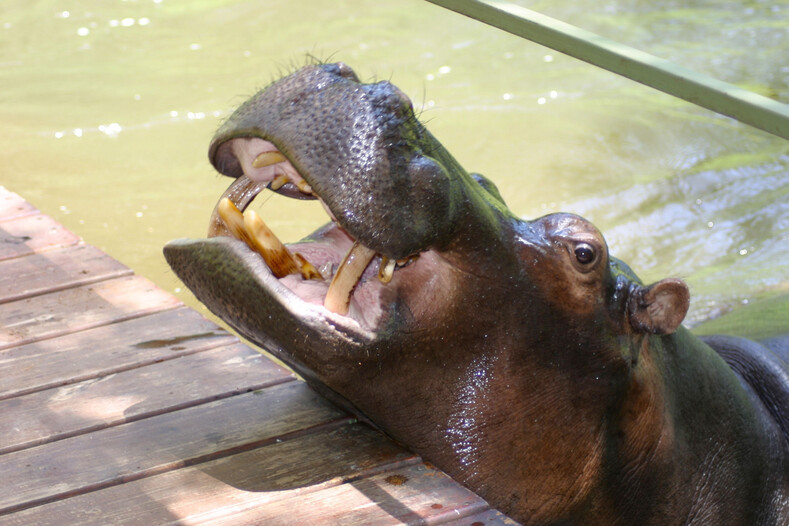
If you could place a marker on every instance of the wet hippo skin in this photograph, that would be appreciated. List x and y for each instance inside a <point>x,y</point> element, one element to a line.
<point>518,356</point>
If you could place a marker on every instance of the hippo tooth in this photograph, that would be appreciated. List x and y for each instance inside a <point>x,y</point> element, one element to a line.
<point>326,270</point>
<point>386,269</point>
<point>240,194</point>
<point>267,159</point>
<point>406,260</point>
<point>338,297</point>
<point>308,270</point>
<point>282,179</point>
<point>304,186</point>
<point>278,182</point>
<point>250,228</point>
<point>263,241</point>
<point>232,218</point>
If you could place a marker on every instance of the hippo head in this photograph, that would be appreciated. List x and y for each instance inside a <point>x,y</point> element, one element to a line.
<point>493,346</point>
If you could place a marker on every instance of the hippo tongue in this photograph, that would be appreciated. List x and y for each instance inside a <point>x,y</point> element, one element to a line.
<point>228,220</point>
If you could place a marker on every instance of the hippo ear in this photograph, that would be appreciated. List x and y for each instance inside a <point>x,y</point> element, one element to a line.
<point>489,186</point>
<point>660,307</point>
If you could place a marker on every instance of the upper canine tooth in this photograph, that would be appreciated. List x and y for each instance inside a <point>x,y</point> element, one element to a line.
<point>267,159</point>
<point>386,270</point>
<point>338,297</point>
<point>304,186</point>
<point>263,241</point>
<point>279,181</point>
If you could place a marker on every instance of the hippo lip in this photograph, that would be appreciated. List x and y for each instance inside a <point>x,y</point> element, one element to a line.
<point>362,289</point>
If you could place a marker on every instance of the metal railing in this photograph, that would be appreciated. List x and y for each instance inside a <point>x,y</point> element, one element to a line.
<point>745,106</point>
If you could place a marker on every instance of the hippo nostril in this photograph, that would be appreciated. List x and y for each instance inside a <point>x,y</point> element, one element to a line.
<point>404,100</point>
<point>390,97</point>
<point>345,71</point>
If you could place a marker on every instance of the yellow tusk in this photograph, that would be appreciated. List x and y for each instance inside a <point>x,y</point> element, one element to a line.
<point>304,186</point>
<point>338,297</point>
<point>263,241</point>
<point>279,181</point>
<point>267,159</point>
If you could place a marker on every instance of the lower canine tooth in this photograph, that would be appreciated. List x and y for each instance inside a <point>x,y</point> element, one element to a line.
<point>232,218</point>
<point>263,241</point>
<point>251,229</point>
<point>338,297</point>
<point>308,270</point>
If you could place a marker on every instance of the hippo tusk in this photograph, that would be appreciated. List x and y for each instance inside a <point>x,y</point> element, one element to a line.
<point>278,182</point>
<point>240,194</point>
<point>308,270</point>
<point>267,159</point>
<point>349,272</point>
<point>252,230</point>
<point>263,241</point>
<point>304,186</point>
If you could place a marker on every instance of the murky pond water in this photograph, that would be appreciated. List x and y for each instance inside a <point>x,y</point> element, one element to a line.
<point>107,108</point>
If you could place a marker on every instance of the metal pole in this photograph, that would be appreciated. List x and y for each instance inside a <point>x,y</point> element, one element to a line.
<point>745,106</point>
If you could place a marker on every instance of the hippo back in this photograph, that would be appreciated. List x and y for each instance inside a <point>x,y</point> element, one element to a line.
<point>764,367</point>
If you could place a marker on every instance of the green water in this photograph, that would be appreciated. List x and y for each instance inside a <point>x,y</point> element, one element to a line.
<point>107,108</point>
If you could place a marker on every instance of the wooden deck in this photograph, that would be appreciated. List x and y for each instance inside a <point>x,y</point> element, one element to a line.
<point>118,405</point>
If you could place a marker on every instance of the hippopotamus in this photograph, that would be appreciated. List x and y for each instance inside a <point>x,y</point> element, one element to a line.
<point>516,355</point>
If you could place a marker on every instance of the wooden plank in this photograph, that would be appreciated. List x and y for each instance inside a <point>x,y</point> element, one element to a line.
<point>486,518</point>
<point>55,270</point>
<point>106,350</point>
<point>29,234</point>
<point>143,448</point>
<point>139,393</point>
<point>79,308</point>
<point>253,478</point>
<point>13,206</point>
<point>417,494</point>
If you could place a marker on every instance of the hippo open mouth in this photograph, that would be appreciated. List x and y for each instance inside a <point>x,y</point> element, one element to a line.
<point>330,268</point>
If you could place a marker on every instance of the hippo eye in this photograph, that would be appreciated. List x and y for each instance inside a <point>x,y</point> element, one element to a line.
<point>584,253</point>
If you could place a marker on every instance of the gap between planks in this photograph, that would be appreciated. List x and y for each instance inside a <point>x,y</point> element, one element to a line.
<point>144,392</point>
<point>56,270</point>
<point>126,345</point>
<point>162,443</point>
<point>51,315</point>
